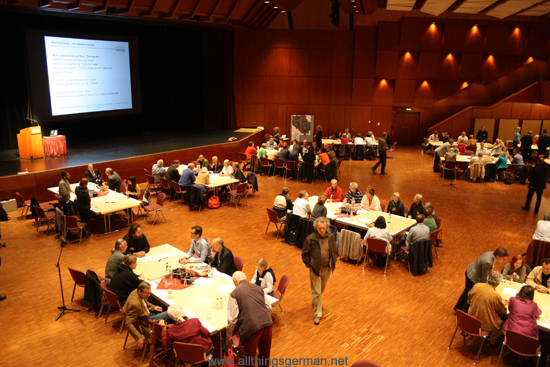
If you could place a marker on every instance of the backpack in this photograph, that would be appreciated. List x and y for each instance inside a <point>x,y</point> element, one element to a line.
<point>214,202</point>
<point>146,197</point>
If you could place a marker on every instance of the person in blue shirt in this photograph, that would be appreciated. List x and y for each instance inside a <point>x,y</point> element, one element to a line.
<point>187,176</point>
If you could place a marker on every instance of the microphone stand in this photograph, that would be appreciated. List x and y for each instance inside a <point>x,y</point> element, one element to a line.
<point>63,309</point>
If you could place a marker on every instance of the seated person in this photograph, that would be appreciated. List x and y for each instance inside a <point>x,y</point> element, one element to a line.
<point>502,163</point>
<point>222,257</point>
<point>264,277</point>
<point>418,232</point>
<point>262,152</point>
<point>158,170</point>
<point>117,254</point>
<point>358,139</point>
<point>488,306</point>
<point>481,149</point>
<point>124,280</point>
<point>472,143</point>
<point>334,192</point>
<point>523,313</point>
<point>331,154</point>
<point>429,219</point>
<point>477,168</point>
<point>539,277</point>
<point>301,205</point>
<point>114,181</point>
<point>187,177</point>
<point>515,270</point>
<point>132,190</point>
<point>135,311</point>
<point>271,144</point>
<point>309,156</point>
<point>185,330</point>
<point>250,150</point>
<point>368,140</point>
<point>284,153</point>
<point>319,210</point>
<point>305,147</point>
<point>444,136</point>
<point>137,242</point>
<point>202,162</point>
<point>199,246</point>
<point>227,170</point>
<point>542,233</point>
<point>272,154</point>
<point>370,201</point>
<point>396,206</point>
<point>324,159</point>
<point>498,147</point>
<point>282,204</point>
<point>202,180</point>
<point>517,160</point>
<point>379,231</point>
<point>93,175</point>
<point>417,207</point>
<point>172,173</point>
<point>296,151</point>
<point>216,165</point>
<point>237,173</point>
<point>354,195</point>
<point>462,138</point>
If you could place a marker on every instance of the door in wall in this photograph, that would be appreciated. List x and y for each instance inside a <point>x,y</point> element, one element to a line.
<point>406,127</point>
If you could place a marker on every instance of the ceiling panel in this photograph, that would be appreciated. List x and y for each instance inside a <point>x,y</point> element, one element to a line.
<point>400,5</point>
<point>436,7</point>
<point>537,11</point>
<point>511,7</point>
<point>473,6</point>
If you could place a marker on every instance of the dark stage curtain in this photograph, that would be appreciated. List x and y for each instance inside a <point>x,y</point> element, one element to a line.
<point>229,122</point>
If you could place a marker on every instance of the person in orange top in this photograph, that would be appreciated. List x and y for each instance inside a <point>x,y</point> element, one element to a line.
<point>323,158</point>
<point>334,193</point>
<point>250,150</point>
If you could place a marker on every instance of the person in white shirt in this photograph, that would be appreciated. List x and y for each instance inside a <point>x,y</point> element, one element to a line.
<point>227,170</point>
<point>543,229</point>
<point>358,139</point>
<point>301,205</point>
<point>481,149</point>
<point>370,201</point>
<point>462,138</point>
<point>433,137</point>
<point>379,231</point>
<point>271,144</point>
<point>369,140</point>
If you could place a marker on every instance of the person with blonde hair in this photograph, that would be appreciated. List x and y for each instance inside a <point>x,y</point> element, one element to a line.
<point>370,201</point>
<point>264,277</point>
<point>203,179</point>
<point>396,206</point>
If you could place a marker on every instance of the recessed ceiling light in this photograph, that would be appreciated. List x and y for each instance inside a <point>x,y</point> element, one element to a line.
<point>282,11</point>
<point>275,7</point>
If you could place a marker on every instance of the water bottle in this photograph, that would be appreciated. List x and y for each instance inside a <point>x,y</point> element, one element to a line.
<point>167,272</point>
<point>389,219</point>
<point>210,271</point>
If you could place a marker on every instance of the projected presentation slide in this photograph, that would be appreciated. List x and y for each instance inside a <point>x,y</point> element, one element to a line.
<point>88,75</point>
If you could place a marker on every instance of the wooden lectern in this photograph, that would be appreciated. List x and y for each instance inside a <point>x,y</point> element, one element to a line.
<point>29,141</point>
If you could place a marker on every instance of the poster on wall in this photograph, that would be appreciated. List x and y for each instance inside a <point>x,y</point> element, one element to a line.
<point>301,127</point>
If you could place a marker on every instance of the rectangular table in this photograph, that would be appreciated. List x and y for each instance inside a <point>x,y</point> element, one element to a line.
<point>332,208</point>
<point>542,300</point>
<point>217,181</point>
<point>396,225</point>
<point>197,300</point>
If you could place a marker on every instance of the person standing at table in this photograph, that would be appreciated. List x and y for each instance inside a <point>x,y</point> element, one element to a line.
<point>523,313</point>
<point>539,277</point>
<point>65,193</point>
<point>543,144</point>
<point>276,134</point>
<point>172,173</point>
<point>440,152</point>
<point>319,136</point>
<point>319,256</point>
<point>482,135</point>
<point>199,246</point>
<point>517,137</point>
<point>249,310</point>
<point>334,192</point>
<point>83,201</point>
<point>382,148</point>
<point>93,175</point>
<point>478,271</point>
<point>222,257</point>
<point>158,170</point>
<point>138,245</point>
<point>114,181</point>
<point>526,142</point>
<point>117,254</point>
<point>537,184</point>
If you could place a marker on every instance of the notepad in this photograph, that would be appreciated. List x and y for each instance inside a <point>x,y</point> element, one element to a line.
<point>509,292</point>
<point>227,288</point>
<point>156,257</point>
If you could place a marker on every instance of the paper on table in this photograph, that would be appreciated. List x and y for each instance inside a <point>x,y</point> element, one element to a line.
<point>365,220</point>
<point>227,288</point>
<point>200,281</point>
<point>155,257</point>
<point>112,200</point>
<point>509,292</point>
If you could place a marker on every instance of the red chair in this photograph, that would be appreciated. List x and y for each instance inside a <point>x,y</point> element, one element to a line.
<point>244,160</point>
<point>469,326</point>
<point>26,204</point>
<point>365,363</point>
<point>392,149</point>
<point>79,279</point>
<point>434,237</point>
<point>165,186</point>
<point>146,171</point>
<point>72,223</point>
<point>265,164</point>
<point>189,353</point>
<point>207,240</point>
<point>155,336</point>
<point>157,208</point>
<point>524,345</point>
<point>280,292</point>
<point>273,218</point>
<point>377,248</point>
<point>178,191</point>
<point>112,300</point>
<point>240,192</point>
<point>463,167</point>
<point>510,171</point>
<point>279,164</point>
<point>250,186</point>
<point>407,210</point>
<point>239,263</point>
<point>439,221</point>
<point>338,164</point>
<point>383,206</point>
<point>449,166</point>
<point>267,137</point>
<point>44,216</point>
<point>151,184</point>
<point>138,327</point>
<point>123,188</point>
<point>290,166</point>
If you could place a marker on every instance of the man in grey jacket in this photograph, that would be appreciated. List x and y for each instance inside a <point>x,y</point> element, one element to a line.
<point>65,193</point>
<point>319,255</point>
<point>478,271</point>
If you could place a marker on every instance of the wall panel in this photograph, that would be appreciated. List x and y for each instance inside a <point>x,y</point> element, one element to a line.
<point>298,61</point>
<point>411,36</point>
<point>454,37</point>
<point>388,36</point>
<point>407,67</point>
<point>277,61</point>
<point>362,92</point>
<point>386,64</point>
<point>364,64</point>
<point>319,62</point>
<point>428,65</point>
<point>404,92</point>
<point>319,90</point>
<point>495,39</point>
<point>383,92</point>
<point>432,37</point>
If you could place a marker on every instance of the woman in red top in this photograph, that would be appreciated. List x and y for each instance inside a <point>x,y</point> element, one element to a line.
<point>250,150</point>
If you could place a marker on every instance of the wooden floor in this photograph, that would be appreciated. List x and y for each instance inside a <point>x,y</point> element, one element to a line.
<point>395,319</point>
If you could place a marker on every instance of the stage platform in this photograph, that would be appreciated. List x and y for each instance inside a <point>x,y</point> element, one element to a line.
<point>103,150</point>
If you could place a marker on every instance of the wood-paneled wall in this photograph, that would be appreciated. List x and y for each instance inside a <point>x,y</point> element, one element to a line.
<point>37,184</point>
<point>350,78</point>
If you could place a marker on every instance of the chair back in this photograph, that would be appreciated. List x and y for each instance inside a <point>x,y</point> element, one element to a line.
<point>339,163</point>
<point>450,165</point>
<point>78,276</point>
<point>283,283</point>
<point>140,195</point>
<point>273,216</point>
<point>146,171</point>
<point>382,206</point>
<point>123,187</point>
<point>19,198</point>
<point>266,137</point>
<point>111,297</point>
<point>407,210</point>
<point>522,344</point>
<point>243,157</point>
<point>468,152</point>
<point>393,145</point>
<point>207,240</point>
<point>189,353</point>
<point>177,188</point>
<point>290,164</point>
<point>279,163</point>
<point>463,165</point>
<point>434,235</point>
<point>511,168</point>
<point>264,162</point>
<point>239,262</point>
<point>157,330</point>
<point>241,189</point>
<point>468,324</point>
<point>365,363</point>
<point>160,199</point>
<point>71,221</point>
<point>150,179</point>
<point>103,285</point>
<point>164,183</point>
<point>439,221</point>
<point>377,246</point>
<point>39,211</point>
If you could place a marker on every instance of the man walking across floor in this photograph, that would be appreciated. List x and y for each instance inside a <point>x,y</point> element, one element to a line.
<point>249,310</point>
<point>319,255</point>
<point>382,148</point>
